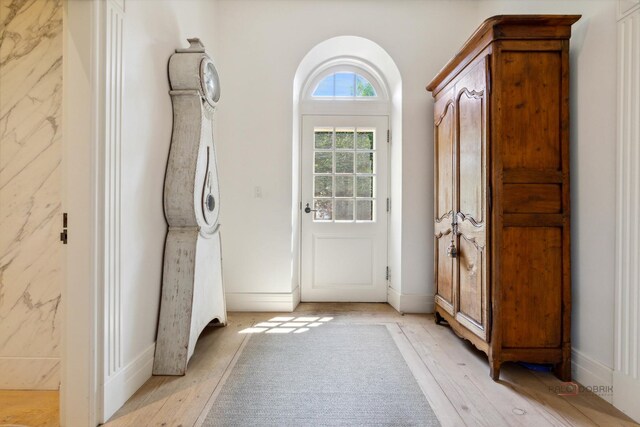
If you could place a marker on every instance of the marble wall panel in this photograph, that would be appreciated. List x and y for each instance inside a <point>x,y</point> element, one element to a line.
<point>30,192</point>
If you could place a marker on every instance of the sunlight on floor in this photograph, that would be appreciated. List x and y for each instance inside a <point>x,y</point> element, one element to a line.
<point>285,325</point>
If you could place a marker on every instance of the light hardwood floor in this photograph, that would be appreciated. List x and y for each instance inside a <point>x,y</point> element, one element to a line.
<point>29,408</point>
<point>453,375</point>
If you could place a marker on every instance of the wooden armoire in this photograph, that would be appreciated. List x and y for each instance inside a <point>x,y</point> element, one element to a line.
<point>501,152</point>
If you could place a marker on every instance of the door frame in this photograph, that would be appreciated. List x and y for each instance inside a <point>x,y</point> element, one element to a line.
<point>84,199</point>
<point>369,55</point>
<point>374,110</point>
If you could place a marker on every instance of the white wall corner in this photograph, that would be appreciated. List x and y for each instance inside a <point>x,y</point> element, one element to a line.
<point>119,387</point>
<point>263,302</point>
<point>409,303</point>
<point>592,374</point>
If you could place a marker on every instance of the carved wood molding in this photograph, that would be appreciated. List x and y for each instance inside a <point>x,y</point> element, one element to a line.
<point>444,112</point>
<point>443,233</point>
<point>479,245</point>
<point>471,94</point>
<point>468,218</point>
<point>443,217</point>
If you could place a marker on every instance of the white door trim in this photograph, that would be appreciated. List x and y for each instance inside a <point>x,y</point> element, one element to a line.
<point>81,393</point>
<point>626,374</point>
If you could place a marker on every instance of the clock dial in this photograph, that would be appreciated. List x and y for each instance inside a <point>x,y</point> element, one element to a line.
<point>210,82</point>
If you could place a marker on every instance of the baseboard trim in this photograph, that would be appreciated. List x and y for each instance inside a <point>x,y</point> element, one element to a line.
<point>408,303</point>
<point>393,298</point>
<point>626,389</point>
<point>263,302</point>
<point>29,373</point>
<point>124,383</point>
<point>592,374</point>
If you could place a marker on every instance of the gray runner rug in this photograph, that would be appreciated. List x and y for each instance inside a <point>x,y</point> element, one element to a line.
<point>347,375</point>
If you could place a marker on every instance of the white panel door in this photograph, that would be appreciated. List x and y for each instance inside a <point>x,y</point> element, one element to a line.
<point>344,208</point>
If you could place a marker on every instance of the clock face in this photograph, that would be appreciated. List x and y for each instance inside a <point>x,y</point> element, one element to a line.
<point>210,82</point>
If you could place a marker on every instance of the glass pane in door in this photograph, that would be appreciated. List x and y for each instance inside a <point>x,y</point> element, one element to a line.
<point>344,174</point>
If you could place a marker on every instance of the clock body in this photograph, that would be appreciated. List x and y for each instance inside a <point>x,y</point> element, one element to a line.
<point>192,288</point>
<point>191,195</point>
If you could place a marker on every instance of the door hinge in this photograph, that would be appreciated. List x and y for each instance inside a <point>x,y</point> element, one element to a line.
<point>388,205</point>
<point>388,273</point>
<point>388,135</point>
<point>63,234</point>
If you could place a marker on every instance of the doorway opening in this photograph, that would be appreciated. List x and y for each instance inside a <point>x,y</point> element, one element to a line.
<point>346,230</point>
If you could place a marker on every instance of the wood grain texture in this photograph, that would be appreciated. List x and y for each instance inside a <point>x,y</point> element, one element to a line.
<point>531,284</point>
<point>180,181</point>
<point>532,198</point>
<point>29,408</point>
<point>451,373</point>
<point>501,27</point>
<point>511,287</point>
<point>530,110</point>
<point>177,300</point>
<point>471,198</point>
<point>443,198</point>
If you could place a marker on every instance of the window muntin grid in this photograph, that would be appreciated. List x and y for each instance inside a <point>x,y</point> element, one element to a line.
<point>344,174</point>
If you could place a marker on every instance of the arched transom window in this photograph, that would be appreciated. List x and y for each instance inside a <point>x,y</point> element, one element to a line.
<point>345,84</point>
<point>345,81</point>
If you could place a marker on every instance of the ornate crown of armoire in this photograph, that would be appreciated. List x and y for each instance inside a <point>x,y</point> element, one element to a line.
<point>502,246</point>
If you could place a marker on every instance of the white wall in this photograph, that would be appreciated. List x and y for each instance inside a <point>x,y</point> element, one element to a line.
<point>261,44</point>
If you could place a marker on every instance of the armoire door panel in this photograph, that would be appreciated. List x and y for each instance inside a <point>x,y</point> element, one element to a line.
<point>472,274</point>
<point>470,157</point>
<point>444,271</point>
<point>532,198</point>
<point>444,134</point>
<point>532,96</point>
<point>471,114</point>
<point>471,193</point>
<point>531,287</point>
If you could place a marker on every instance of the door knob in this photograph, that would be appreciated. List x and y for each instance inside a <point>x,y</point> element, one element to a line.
<point>308,209</point>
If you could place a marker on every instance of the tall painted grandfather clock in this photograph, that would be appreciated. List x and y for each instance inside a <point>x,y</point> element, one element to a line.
<point>192,289</point>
